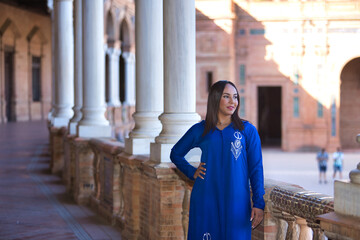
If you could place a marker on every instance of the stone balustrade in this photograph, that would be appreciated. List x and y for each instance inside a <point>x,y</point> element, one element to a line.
<point>120,119</point>
<point>294,210</point>
<point>150,200</point>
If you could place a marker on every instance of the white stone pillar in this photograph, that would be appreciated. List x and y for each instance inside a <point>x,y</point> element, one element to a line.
<point>78,68</point>
<point>129,59</point>
<point>179,77</point>
<point>149,76</point>
<point>113,73</point>
<point>50,5</point>
<point>93,122</point>
<point>64,63</point>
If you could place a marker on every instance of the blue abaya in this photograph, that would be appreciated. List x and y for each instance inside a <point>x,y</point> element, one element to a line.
<point>220,206</point>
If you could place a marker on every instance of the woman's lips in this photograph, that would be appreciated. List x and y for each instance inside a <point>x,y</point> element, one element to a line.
<point>230,108</point>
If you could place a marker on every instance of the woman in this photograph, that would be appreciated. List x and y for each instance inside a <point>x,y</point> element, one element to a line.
<point>220,206</point>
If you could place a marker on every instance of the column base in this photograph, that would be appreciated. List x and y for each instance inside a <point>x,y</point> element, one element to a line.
<point>175,125</point>
<point>160,152</point>
<point>72,128</point>
<point>86,131</point>
<point>60,122</point>
<point>138,146</point>
<point>347,198</point>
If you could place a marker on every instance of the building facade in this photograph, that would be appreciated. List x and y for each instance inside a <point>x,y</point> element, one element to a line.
<point>295,64</point>
<point>25,64</point>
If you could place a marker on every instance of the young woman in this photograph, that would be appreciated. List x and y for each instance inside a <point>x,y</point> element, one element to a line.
<point>220,206</point>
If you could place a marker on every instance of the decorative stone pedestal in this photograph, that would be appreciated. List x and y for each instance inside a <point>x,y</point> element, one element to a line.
<point>344,223</point>
<point>164,202</point>
<point>57,149</point>
<point>68,173</point>
<point>339,226</point>
<point>132,176</point>
<point>84,171</point>
<point>107,194</point>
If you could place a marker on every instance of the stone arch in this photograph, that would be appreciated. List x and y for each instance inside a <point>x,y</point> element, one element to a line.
<point>9,24</point>
<point>350,103</point>
<point>36,41</point>
<point>109,28</point>
<point>125,41</point>
<point>36,31</point>
<point>9,33</point>
<point>125,35</point>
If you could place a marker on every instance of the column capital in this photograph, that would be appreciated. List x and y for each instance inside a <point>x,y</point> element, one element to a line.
<point>113,52</point>
<point>50,5</point>
<point>129,57</point>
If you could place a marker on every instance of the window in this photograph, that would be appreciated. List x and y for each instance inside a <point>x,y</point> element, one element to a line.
<point>320,110</point>
<point>296,107</point>
<point>257,31</point>
<point>209,80</point>
<point>296,75</point>
<point>242,107</point>
<point>242,74</point>
<point>36,79</point>
<point>333,118</point>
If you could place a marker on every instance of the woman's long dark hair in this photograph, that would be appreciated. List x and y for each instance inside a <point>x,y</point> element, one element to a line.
<point>213,103</point>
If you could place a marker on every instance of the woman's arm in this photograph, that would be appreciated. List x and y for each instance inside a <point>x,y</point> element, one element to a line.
<point>255,167</point>
<point>182,147</point>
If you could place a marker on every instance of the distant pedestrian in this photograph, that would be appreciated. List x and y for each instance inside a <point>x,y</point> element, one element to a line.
<point>338,157</point>
<point>322,158</point>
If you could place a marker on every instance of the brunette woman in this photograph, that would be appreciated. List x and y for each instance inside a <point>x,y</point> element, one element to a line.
<point>220,204</point>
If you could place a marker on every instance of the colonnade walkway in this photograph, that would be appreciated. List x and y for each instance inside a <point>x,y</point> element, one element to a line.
<point>33,202</point>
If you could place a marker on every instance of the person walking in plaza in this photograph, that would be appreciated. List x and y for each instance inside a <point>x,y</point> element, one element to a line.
<point>338,158</point>
<point>220,205</point>
<point>322,158</point>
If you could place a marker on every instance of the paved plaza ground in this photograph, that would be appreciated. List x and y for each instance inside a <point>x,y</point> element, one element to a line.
<point>301,168</point>
<point>34,203</point>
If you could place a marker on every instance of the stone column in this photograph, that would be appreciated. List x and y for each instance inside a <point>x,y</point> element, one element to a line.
<point>64,63</point>
<point>78,68</point>
<point>129,58</point>
<point>149,76</point>
<point>93,122</point>
<point>50,5</point>
<point>179,76</point>
<point>113,73</point>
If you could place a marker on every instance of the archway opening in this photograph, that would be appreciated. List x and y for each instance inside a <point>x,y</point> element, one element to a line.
<point>350,104</point>
<point>125,48</point>
<point>9,86</point>
<point>110,42</point>
<point>269,116</point>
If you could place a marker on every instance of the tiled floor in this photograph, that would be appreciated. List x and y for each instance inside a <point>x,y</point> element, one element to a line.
<point>33,202</point>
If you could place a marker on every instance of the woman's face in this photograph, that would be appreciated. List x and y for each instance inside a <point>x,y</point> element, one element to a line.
<point>228,101</point>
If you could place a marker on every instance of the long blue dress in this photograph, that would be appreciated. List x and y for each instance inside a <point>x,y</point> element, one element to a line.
<point>220,206</point>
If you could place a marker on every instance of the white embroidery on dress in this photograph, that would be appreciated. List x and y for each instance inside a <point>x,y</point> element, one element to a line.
<point>236,146</point>
<point>206,236</point>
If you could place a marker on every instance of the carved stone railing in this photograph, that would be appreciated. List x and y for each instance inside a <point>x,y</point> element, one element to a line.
<point>107,197</point>
<point>295,209</point>
<point>150,200</point>
<point>121,121</point>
